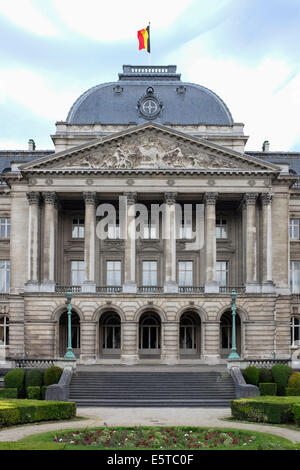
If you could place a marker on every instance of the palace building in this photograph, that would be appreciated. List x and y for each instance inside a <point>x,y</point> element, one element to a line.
<point>231,217</point>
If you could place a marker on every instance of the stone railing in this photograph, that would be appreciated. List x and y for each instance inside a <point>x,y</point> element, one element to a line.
<point>64,289</point>
<point>266,363</point>
<point>109,289</point>
<point>32,363</point>
<point>191,289</point>
<point>150,289</point>
<point>229,289</point>
<point>295,297</point>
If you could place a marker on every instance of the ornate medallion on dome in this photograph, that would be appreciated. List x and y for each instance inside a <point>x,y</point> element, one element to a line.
<point>149,105</point>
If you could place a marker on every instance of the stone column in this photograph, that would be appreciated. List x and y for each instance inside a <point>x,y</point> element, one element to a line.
<point>32,284</point>
<point>210,285</point>
<point>251,245</point>
<point>129,350</point>
<point>170,282</point>
<point>170,343</point>
<point>130,286</point>
<point>267,278</point>
<point>89,284</point>
<point>50,200</point>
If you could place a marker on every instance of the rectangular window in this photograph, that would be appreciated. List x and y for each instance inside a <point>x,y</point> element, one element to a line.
<point>113,231</point>
<point>185,273</point>
<point>295,277</point>
<point>77,273</point>
<point>222,273</point>
<point>221,228</point>
<point>4,330</point>
<point>149,273</point>
<point>78,228</point>
<point>294,229</point>
<point>4,228</point>
<point>113,273</point>
<point>4,275</point>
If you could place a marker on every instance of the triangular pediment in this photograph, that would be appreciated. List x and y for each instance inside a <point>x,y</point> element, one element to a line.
<point>148,147</point>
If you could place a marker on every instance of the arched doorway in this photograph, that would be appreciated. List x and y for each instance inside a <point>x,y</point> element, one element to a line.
<point>110,335</point>
<point>190,335</point>
<point>149,335</point>
<point>63,334</point>
<point>226,334</point>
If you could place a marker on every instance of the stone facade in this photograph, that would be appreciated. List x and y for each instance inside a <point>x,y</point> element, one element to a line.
<point>53,205</point>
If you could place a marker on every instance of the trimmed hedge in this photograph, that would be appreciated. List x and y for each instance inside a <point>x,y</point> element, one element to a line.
<point>8,393</point>
<point>292,392</point>
<point>281,374</point>
<point>14,412</point>
<point>251,375</point>
<point>33,378</point>
<point>33,393</point>
<point>15,379</point>
<point>296,411</point>
<point>294,380</point>
<point>43,391</point>
<point>267,389</point>
<point>265,375</point>
<point>277,410</point>
<point>52,375</point>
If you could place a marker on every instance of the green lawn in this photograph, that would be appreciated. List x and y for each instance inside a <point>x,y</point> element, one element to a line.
<point>159,438</point>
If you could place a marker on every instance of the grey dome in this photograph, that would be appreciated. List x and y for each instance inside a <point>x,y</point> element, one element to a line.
<point>180,103</point>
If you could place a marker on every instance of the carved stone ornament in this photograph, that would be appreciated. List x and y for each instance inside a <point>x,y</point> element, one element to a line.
<point>50,197</point>
<point>149,105</point>
<point>170,198</point>
<point>250,199</point>
<point>33,197</point>
<point>131,198</point>
<point>267,198</point>
<point>89,197</point>
<point>150,150</point>
<point>210,198</point>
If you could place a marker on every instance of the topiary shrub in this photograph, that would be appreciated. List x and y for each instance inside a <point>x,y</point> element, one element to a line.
<point>265,375</point>
<point>294,380</point>
<point>8,393</point>
<point>52,375</point>
<point>33,393</point>
<point>15,379</point>
<point>281,374</point>
<point>292,392</point>
<point>251,375</point>
<point>268,389</point>
<point>34,378</point>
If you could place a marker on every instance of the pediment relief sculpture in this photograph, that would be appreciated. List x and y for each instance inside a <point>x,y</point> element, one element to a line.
<point>149,153</point>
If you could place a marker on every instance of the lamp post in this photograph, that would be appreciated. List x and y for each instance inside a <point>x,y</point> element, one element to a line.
<point>69,354</point>
<point>233,354</point>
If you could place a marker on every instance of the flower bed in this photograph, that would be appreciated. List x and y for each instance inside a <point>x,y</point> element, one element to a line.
<point>14,412</point>
<point>264,409</point>
<point>156,438</point>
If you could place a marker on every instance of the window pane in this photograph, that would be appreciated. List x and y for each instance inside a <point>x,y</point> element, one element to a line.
<point>113,273</point>
<point>185,273</point>
<point>78,228</point>
<point>149,273</point>
<point>78,273</point>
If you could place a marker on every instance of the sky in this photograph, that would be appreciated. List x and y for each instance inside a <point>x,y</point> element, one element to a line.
<point>246,51</point>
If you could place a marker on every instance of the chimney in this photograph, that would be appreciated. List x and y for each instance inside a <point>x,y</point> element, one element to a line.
<point>266,146</point>
<point>31,145</point>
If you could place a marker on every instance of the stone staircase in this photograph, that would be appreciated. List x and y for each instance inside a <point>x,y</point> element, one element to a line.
<point>152,389</point>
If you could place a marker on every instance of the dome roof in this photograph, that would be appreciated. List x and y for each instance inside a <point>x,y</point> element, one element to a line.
<point>153,93</point>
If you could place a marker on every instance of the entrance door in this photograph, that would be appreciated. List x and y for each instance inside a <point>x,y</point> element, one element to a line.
<point>149,334</point>
<point>189,335</point>
<point>110,334</point>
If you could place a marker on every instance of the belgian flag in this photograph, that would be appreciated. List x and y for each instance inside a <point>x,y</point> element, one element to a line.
<point>144,38</point>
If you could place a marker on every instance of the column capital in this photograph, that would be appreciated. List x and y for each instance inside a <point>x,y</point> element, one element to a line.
<point>89,197</point>
<point>249,199</point>
<point>210,198</point>
<point>33,197</point>
<point>50,197</point>
<point>266,199</point>
<point>170,198</point>
<point>131,198</point>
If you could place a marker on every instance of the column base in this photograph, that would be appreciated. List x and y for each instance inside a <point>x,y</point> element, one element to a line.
<point>268,287</point>
<point>47,286</point>
<point>32,286</point>
<point>252,288</point>
<point>88,287</point>
<point>211,287</point>
<point>129,359</point>
<point>129,287</point>
<point>171,287</point>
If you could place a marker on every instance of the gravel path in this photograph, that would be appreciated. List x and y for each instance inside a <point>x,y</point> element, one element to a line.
<point>210,417</point>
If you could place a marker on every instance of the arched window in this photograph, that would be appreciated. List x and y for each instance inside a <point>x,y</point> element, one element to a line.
<point>189,334</point>
<point>226,333</point>
<point>150,330</point>
<point>4,331</point>
<point>295,331</point>
<point>111,332</point>
<point>63,334</point>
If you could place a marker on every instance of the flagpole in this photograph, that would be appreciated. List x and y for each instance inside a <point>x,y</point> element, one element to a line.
<point>149,58</point>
